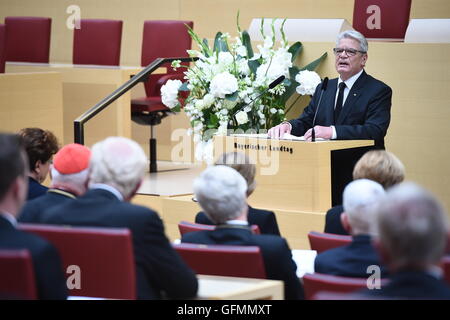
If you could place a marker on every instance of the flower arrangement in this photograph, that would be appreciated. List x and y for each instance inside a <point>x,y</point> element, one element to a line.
<point>229,83</point>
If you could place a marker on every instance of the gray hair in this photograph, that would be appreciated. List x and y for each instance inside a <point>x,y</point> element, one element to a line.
<point>118,162</point>
<point>360,199</point>
<point>412,227</point>
<point>76,179</point>
<point>353,34</point>
<point>221,192</point>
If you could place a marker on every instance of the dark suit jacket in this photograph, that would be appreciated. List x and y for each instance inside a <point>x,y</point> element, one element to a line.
<point>160,270</point>
<point>265,220</point>
<point>275,251</point>
<point>33,210</point>
<point>411,285</point>
<point>365,115</point>
<point>349,261</point>
<point>48,270</point>
<point>35,189</point>
<point>333,221</point>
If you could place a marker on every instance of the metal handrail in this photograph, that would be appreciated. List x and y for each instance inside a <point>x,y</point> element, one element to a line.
<point>142,76</point>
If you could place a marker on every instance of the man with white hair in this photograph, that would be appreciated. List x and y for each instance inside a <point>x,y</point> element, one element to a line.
<point>222,194</point>
<point>360,199</point>
<point>117,168</point>
<point>69,173</point>
<point>354,106</point>
<point>413,231</point>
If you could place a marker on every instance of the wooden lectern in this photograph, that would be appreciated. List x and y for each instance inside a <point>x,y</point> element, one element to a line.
<point>293,175</point>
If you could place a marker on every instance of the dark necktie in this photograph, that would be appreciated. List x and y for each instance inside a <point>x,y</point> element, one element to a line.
<point>340,99</point>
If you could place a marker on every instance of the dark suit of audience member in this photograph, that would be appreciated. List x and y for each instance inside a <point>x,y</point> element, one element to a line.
<point>413,233</point>
<point>378,165</point>
<point>264,219</point>
<point>50,281</point>
<point>350,260</point>
<point>360,196</point>
<point>40,145</point>
<point>116,170</point>
<point>333,222</point>
<point>69,179</point>
<point>48,271</point>
<point>275,251</point>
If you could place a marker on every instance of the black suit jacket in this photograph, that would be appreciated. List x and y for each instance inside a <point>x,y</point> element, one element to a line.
<point>160,270</point>
<point>365,115</point>
<point>275,251</point>
<point>48,270</point>
<point>351,260</point>
<point>411,285</point>
<point>265,220</point>
<point>35,189</point>
<point>333,221</point>
<point>33,210</point>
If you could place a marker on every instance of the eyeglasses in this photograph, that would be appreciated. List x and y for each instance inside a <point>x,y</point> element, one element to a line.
<point>350,52</point>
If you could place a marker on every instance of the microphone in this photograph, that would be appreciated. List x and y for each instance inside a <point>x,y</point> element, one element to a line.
<point>272,85</point>
<point>324,87</point>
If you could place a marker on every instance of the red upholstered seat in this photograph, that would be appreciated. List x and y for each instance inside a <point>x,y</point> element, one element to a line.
<point>222,260</point>
<point>314,283</point>
<point>97,42</point>
<point>446,268</point>
<point>28,39</point>
<point>185,227</point>
<point>104,257</point>
<point>2,47</point>
<point>321,241</point>
<point>17,279</point>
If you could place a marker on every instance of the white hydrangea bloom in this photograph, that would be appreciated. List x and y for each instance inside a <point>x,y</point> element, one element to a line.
<point>169,93</point>
<point>308,80</point>
<point>222,84</point>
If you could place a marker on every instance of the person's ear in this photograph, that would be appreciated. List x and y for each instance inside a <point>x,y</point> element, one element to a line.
<point>345,223</point>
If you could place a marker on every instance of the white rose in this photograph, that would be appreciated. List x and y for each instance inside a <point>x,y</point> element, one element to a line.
<point>241,117</point>
<point>208,100</point>
<point>222,84</point>
<point>169,93</point>
<point>308,80</point>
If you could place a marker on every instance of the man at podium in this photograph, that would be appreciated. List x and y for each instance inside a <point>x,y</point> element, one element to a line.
<point>352,107</point>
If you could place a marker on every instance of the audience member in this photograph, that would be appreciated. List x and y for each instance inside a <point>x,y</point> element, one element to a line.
<point>360,199</point>
<point>222,194</point>
<point>69,174</point>
<point>40,146</point>
<point>412,227</point>
<point>117,168</point>
<point>50,281</point>
<point>265,220</point>
<point>377,165</point>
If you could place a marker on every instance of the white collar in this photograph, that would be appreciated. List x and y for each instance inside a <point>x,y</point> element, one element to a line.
<point>107,187</point>
<point>350,81</point>
<point>8,216</point>
<point>238,222</point>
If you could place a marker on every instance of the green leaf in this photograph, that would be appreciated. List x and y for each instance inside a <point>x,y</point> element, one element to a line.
<point>290,90</point>
<point>176,109</point>
<point>220,45</point>
<point>313,65</point>
<point>213,121</point>
<point>232,97</point>
<point>184,87</point>
<point>253,65</point>
<point>205,45</point>
<point>246,41</point>
<point>295,50</point>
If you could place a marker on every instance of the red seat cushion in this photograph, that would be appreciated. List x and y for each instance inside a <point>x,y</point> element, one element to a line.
<point>28,39</point>
<point>2,47</point>
<point>97,42</point>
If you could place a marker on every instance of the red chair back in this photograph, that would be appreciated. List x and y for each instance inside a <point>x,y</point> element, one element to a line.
<point>17,279</point>
<point>222,260</point>
<point>446,268</point>
<point>2,47</point>
<point>185,227</point>
<point>28,39</point>
<point>97,42</point>
<point>313,283</point>
<point>104,257</point>
<point>164,39</point>
<point>321,241</point>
